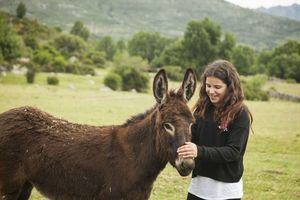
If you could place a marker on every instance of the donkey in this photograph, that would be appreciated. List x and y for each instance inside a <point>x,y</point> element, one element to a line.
<point>68,161</point>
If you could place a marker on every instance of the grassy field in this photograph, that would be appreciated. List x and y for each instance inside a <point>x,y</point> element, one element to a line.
<point>272,160</point>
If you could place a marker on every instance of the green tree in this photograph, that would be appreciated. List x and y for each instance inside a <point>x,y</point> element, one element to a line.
<point>201,41</point>
<point>173,54</point>
<point>291,46</point>
<point>80,30</point>
<point>243,58</point>
<point>227,46</point>
<point>108,46</point>
<point>21,10</point>
<point>70,45</point>
<point>283,62</point>
<point>147,45</point>
<point>10,42</point>
<point>121,46</point>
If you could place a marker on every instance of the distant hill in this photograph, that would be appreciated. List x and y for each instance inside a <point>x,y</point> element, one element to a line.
<point>123,18</point>
<point>291,12</point>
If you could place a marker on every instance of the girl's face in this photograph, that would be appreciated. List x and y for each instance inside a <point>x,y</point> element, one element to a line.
<point>215,89</point>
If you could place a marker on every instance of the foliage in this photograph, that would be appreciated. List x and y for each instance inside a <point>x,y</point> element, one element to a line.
<point>52,80</point>
<point>10,42</point>
<point>113,81</point>
<point>147,45</point>
<point>80,30</point>
<point>227,46</point>
<point>284,61</point>
<point>200,43</point>
<point>59,64</point>
<point>70,45</point>
<point>173,54</point>
<point>30,41</point>
<point>108,46</point>
<point>121,45</point>
<point>132,78</point>
<point>243,58</point>
<point>124,60</point>
<point>42,57</point>
<point>21,10</point>
<point>86,70</point>
<point>97,58</point>
<point>30,74</point>
<point>252,88</point>
<point>174,72</point>
<point>286,66</point>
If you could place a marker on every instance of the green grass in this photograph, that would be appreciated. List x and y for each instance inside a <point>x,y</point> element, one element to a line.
<point>272,160</point>
<point>284,87</point>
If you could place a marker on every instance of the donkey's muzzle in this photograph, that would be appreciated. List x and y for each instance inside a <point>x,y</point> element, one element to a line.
<point>184,166</point>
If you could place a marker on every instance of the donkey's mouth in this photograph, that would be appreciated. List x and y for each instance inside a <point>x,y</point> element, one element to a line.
<point>184,166</point>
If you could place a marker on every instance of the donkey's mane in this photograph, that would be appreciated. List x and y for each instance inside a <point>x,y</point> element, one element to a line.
<point>139,117</point>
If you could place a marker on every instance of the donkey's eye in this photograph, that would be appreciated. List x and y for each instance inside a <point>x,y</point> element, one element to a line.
<point>169,128</point>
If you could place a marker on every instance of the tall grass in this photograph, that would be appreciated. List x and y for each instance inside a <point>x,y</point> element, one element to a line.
<point>272,160</point>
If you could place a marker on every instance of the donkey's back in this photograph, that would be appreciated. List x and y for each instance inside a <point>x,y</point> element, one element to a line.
<point>36,146</point>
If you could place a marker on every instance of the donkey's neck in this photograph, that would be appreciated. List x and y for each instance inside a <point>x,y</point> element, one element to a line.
<point>140,140</point>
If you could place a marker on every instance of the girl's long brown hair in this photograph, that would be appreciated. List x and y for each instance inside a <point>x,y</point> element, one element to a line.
<point>233,100</point>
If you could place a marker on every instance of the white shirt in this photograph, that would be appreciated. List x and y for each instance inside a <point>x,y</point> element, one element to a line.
<point>207,188</point>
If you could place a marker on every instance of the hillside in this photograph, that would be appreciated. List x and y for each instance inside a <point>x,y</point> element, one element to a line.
<point>122,18</point>
<point>292,12</point>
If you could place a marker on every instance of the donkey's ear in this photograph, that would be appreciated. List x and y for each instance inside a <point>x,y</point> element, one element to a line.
<point>160,86</point>
<point>189,84</point>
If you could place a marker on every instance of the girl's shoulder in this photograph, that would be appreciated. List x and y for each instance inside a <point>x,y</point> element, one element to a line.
<point>242,118</point>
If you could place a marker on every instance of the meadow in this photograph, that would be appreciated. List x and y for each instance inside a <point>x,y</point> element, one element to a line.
<point>272,160</point>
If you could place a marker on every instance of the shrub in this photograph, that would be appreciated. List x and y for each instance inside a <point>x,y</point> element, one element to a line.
<point>174,72</point>
<point>84,70</point>
<point>132,78</point>
<point>52,80</point>
<point>113,81</point>
<point>59,64</point>
<point>30,75</point>
<point>31,71</point>
<point>72,68</point>
<point>253,88</point>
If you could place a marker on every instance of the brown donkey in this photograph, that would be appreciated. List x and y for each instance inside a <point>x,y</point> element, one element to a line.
<point>68,161</point>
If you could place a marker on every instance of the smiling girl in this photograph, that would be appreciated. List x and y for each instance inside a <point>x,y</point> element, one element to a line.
<point>220,135</point>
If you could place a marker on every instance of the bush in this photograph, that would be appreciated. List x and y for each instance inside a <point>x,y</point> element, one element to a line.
<point>31,71</point>
<point>113,81</point>
<point>52,80</point>
<point>84,70</point>
<point>132,78</point>
<point>30,75</point>
<point>59,64</point>
<point>253,88</point>
<point>174,72</point>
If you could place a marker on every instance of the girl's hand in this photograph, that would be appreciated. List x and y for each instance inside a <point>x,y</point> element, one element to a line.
<point>188,150</point>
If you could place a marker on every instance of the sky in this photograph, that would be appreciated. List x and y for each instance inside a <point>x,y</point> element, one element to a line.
<point>263,3</point>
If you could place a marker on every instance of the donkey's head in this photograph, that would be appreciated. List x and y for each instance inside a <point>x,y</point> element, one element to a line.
<point>174,119</point>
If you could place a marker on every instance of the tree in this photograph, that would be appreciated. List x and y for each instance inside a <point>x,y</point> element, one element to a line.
<point>227,46</point>
<point>147,45</point>
<point>121,46</point>
<point>21,10</point>
<point>173,54</point>
<point>107,45</point>
<point>80,30</point>
<point>243,58</point>
<point>284,61</point>
<point>200,43</point>
<point>10,42</point>
<point>70,45</point>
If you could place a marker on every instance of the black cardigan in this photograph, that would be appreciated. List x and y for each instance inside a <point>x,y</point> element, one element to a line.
<point>220,154</point>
